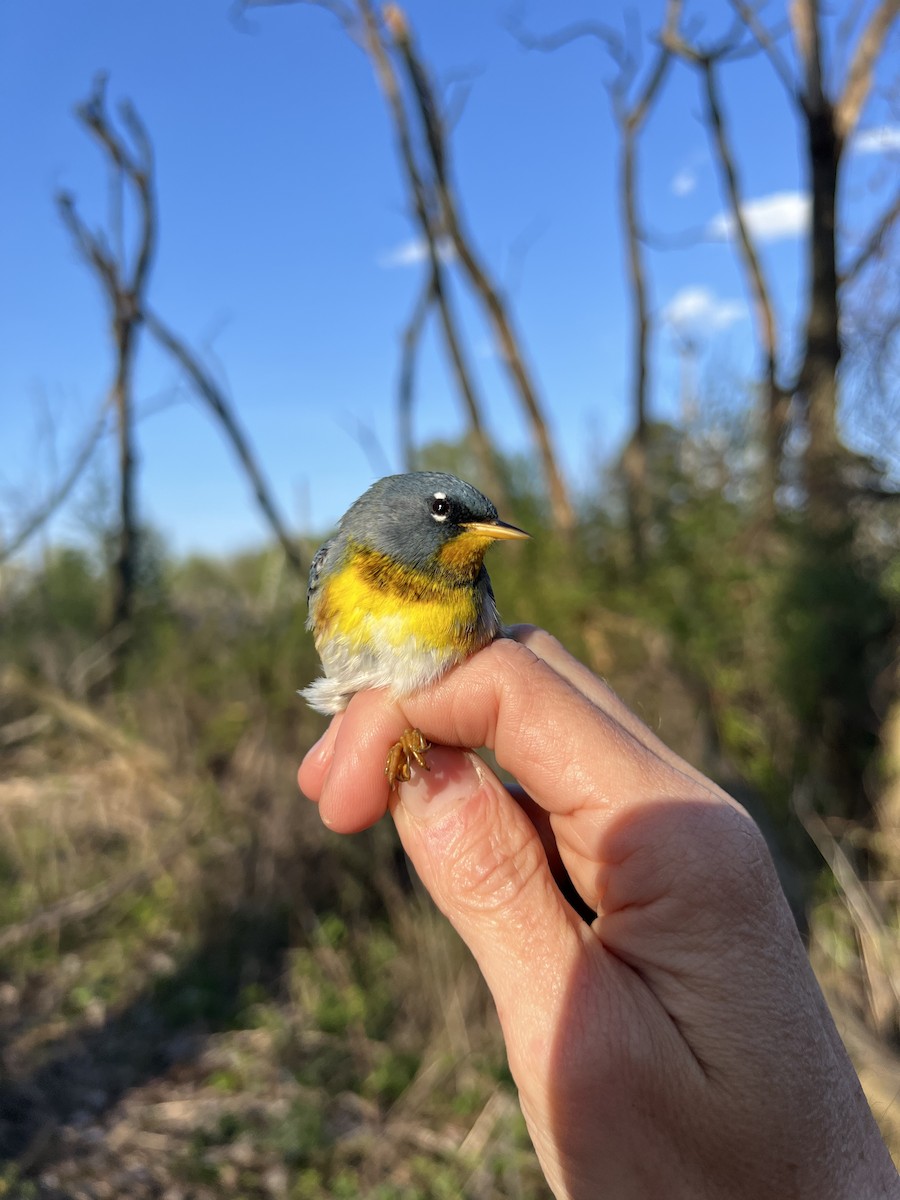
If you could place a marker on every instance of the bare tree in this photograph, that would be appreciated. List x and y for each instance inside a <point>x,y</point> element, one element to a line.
<point>124,286</point>
<point>829,117</point>
<point>419,128</point>
<point>126,289</point>
<point>632,95</point>
<point>452,226</point>
<point>775,397</point>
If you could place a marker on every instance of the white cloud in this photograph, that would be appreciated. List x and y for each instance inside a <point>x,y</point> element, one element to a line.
<point>769,218</point>
<point>414,251</point>
<point>880,139</point>
<point>684,181</point>
<point>698,309</point>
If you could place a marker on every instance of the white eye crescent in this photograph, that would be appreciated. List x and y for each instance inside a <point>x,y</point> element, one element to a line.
<point>440,507</point>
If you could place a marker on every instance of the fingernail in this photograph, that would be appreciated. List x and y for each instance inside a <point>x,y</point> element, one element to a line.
<point>452,776</point>
<point>322,750</point>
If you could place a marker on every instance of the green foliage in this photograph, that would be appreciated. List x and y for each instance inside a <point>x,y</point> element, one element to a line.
<point>767,642</point>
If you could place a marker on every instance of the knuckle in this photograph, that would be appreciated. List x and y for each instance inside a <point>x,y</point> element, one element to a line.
<point>726,852</point>
<point>496,864</point>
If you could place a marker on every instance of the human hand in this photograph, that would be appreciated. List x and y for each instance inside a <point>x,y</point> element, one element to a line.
<point>678,1046</point>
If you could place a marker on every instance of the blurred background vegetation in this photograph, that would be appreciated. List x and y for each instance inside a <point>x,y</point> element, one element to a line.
<point>202,993</point>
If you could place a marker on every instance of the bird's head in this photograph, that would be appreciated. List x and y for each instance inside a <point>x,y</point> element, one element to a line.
<point>428,521</point>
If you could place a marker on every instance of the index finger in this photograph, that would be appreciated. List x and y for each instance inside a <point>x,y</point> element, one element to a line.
<point>566,751</point>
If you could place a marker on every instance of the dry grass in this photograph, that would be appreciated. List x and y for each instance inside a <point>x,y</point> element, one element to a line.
<point>196,1001</point>
<point>203,994</point>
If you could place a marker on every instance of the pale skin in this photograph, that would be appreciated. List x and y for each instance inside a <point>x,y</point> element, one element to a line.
<point>678,1046</point>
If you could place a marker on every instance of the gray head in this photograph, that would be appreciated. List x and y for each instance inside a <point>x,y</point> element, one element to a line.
<point>412,518</point>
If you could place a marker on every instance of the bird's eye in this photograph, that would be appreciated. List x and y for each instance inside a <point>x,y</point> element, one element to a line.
<point>440,508</point>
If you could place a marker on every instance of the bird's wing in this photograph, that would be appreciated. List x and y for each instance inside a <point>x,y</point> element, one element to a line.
<point>315,569</point>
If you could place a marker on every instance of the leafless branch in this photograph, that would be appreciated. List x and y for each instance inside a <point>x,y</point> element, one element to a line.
<point>368,441</point>
<point>428,217</point>
<point>630,109</point>
<point>874,243</point>
<point>768,43</point>
<point>631,120</point>
<point>806,26</point>
<point>215,399</point>
<point>682,239</point>
<point>406,382</point>
<point>847,25</point>
<point>91,246</point>
<point>859,77</point>
<point>42,514</point>
<point>706,61</point>
<point>451,223</point>
<point>611,41</point>
<point>124,293</point>
<point>776,400</point>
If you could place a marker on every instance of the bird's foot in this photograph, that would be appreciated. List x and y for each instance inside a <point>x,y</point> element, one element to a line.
<point>412,747</point>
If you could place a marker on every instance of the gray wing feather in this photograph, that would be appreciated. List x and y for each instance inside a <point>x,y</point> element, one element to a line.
<point>315,569</point>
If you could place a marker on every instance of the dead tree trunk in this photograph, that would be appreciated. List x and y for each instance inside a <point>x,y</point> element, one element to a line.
<point>775,403</point>
<point>631,109</point>
<point>126,293</point>
<point>125,564</point>
<point>631,119</point>
<point>124,290</point>
<point>829,122</point>
<point>818,380</point>
<point>634,460</point>
<point>774,397</point>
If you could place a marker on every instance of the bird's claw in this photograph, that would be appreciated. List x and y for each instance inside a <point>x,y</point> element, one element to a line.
<point>412,747</point>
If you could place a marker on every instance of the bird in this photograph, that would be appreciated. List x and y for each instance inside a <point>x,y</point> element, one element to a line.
<point>400,595</point>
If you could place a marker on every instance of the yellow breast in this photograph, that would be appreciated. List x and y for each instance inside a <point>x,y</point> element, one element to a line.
<point>373,601</point>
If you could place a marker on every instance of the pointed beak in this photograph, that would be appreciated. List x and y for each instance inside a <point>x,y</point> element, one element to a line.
<point>497,530</point>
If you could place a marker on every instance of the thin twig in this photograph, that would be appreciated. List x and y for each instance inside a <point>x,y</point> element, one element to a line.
<point>766,41</point>
<point>42,514</point>
<point>874,243</point>
<point>859,76</point>
<point>451,223</point>
<point>406,381</point>
<point>214,397</point>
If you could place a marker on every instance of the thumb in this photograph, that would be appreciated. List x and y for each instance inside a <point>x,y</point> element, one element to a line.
<point>483,864</point>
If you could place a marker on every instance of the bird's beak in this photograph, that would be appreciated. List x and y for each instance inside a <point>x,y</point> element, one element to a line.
<point>496,530</point>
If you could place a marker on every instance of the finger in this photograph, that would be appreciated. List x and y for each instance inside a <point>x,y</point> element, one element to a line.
<point>317,761</point>
<point>573,758</point>
<point>481,860</point>
<point>542,822</point>
<point>598,691</point>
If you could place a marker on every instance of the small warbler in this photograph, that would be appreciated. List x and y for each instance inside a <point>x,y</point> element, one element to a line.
<point>400,594</point>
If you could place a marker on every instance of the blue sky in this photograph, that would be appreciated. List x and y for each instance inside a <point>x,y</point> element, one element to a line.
<point>285,237</point>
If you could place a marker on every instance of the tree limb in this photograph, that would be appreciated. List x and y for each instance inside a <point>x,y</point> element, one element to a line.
<point>611,41</point>
<point>428,216</point>
<point>215,399</point>
<point>806,25</point>
<point>405,386</point>
<point>859,77</point>
<point>630,114</point>
<point>767,43</point>
<point>874,243</point>
<point>40,515</point>
<point>125,295</point>
<point>776,402</point>
<point>507,340</point>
